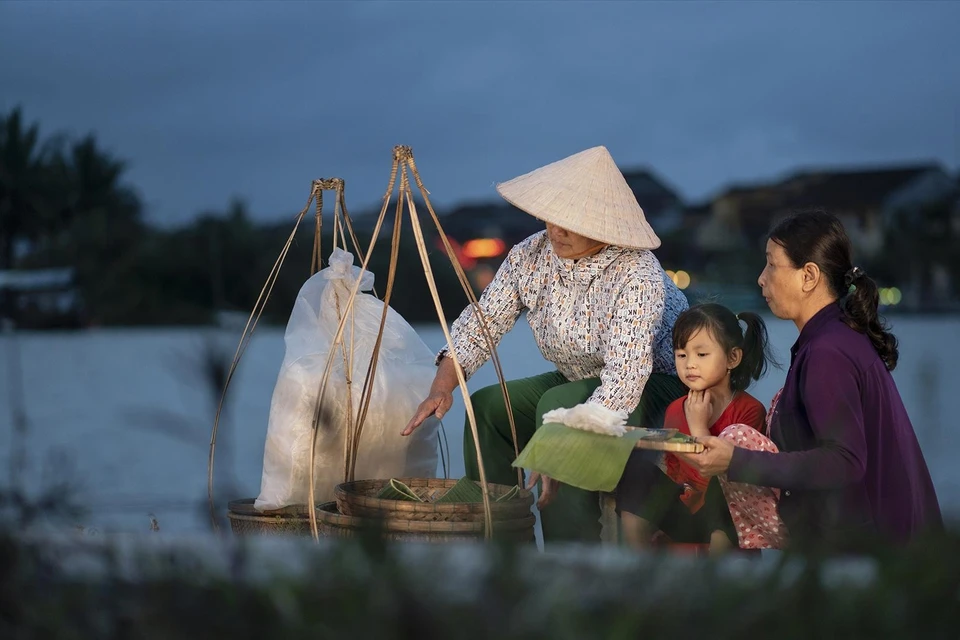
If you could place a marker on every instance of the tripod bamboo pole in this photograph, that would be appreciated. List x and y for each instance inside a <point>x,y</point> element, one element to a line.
<point>367,391</point>
<point>475,303</point>
<point>314,530</point>
<point>403,162</point>
<point>316,195</point>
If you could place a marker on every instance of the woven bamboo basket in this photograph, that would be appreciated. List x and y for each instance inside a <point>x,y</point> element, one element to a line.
<point>246,520</point>
<point>333,524</point>
<point>359,498</point>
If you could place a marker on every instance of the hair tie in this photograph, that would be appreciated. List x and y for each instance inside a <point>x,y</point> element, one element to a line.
<point>741,324</point>
<point>851,278</point>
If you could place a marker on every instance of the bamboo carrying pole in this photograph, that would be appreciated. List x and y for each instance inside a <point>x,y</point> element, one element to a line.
<point>403,163</point>
<point>316,196</point>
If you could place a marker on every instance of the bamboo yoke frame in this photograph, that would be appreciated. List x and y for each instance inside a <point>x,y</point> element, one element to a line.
<point>403,162</point>
<point>316,195</point>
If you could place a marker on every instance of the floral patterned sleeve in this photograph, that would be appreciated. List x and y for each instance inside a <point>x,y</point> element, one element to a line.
<point>501,307</point>
<point>628,362</point>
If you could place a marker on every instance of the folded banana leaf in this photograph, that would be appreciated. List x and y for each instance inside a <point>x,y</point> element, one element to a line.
<point>396,490</point>
<point>583,459</point>
<point>466,490</point>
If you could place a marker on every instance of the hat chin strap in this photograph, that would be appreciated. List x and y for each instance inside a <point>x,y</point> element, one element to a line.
<point>597,248</point>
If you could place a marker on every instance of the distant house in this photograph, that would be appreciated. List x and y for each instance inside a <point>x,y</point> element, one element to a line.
<point>955,218</point>
<point>693,218</point>
<point>662,205</point>
<point>678,248</point>
<point>40,298</point>
<point>721,240</point>
<point>735,215</point>
<point>497,219</point>
<point>866,200</point>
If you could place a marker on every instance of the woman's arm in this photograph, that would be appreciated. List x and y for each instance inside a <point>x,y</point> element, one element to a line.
<point>831,398</point>
<point>501,306</point>
<point>628,361</point>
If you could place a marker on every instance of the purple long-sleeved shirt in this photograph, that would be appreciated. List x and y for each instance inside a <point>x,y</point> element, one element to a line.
<point>849,462</point>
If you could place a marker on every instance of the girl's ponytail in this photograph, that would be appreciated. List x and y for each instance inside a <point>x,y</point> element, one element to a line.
<point>756,352</point>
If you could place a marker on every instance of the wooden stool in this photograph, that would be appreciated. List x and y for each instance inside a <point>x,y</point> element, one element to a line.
<point>610,531</point>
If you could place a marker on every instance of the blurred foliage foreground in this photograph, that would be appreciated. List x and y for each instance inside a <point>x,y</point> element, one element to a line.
<point>148,586</point>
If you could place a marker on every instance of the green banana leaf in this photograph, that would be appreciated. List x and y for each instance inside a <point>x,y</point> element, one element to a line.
<point>583,459</point>
<point>466,490</point>
<point>396,490</point>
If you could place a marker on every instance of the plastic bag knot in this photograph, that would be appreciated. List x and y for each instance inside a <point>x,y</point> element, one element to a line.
<point>341,268</point>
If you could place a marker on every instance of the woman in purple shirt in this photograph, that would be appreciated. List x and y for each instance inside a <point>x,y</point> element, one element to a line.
<point>850,469</point>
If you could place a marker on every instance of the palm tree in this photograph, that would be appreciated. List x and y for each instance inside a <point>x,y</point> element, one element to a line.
<point>21,179</point>
<point>66,202</point>
<point>920,241</point>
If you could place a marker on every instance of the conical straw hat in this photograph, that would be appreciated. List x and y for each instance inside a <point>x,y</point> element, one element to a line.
<point>586,194</point>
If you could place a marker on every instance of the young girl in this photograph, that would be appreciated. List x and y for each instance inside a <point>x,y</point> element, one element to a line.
<point>716,360</point>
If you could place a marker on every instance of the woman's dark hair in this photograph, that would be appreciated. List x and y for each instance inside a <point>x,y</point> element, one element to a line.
<point>819,237</point>
<point>725,328</point>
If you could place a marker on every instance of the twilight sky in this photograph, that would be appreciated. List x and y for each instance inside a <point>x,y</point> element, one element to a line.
<point>209,100</point>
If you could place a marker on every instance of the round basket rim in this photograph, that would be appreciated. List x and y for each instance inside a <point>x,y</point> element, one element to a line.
<point>276,518</point>
<point>244,506</point>
<point>329,514</point>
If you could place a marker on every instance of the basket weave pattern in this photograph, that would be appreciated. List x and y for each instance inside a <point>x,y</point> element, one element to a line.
<point>246,520</point>
<point>357,510</point>
<point>333,524</point>
<point>271,525</point>
<point>359,498</point>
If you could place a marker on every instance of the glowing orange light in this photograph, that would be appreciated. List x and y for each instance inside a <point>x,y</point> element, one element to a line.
<point>465,261</point>
<point>484,248</point>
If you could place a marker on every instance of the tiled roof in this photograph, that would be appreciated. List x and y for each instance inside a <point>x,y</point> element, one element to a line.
<point>852,189</point>
<point>651,192</point>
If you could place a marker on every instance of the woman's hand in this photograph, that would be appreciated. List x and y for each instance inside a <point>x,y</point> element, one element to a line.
<point>547,491</point>
<point>440,399</point>
<point>715,458</point>
<point>699,409</point>
<point>436,404</point>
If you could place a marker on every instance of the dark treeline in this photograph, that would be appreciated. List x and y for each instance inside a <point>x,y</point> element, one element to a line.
<point>64,203</point>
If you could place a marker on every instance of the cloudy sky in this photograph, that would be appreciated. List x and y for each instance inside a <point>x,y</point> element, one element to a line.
<point>209,100</point>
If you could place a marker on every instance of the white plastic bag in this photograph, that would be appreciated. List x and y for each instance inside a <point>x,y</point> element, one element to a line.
<point>405,370</point>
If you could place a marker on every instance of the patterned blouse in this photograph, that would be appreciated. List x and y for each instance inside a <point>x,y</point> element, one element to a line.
<point>609,315</point>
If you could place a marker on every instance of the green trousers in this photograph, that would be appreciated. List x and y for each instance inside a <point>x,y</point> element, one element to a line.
<point>574,514</point>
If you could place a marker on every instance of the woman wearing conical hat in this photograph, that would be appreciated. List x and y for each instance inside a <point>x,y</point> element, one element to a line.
<point>601,309</point>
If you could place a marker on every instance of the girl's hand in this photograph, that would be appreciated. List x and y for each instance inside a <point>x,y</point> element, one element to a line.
<point>715,458</point>
<point>699,409</point>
